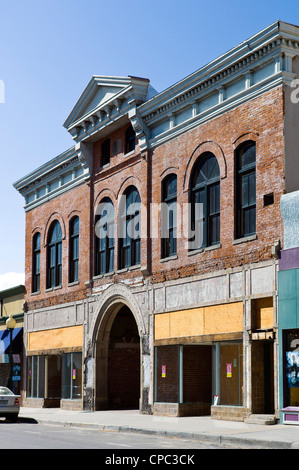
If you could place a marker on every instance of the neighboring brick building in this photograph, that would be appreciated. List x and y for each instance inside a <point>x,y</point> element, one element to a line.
<point>185,322</point>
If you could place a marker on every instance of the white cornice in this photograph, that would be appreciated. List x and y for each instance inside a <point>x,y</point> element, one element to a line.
<point>129,92</point>
<point>95,82</point>
<point>214,111</point>
<point>269,52</point>
<point>52,179</point>
<point>46,170</point>
<point>227,64</point>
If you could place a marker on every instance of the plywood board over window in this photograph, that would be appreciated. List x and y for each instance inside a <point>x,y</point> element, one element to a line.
<point>58,338</point>
<point>212,320</point>
<point>262,313</point>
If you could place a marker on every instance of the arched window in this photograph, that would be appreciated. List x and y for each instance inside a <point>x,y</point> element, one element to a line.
<point>205,202</point>
<point>104,241</point>
<point>245,189</point>
<point>74,250</point>
<point>129,228</point>
<point>169,216</point>
<point>36,263</point>
<point>54,256</point>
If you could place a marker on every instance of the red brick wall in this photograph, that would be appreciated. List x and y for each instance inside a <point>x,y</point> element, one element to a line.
<point>260,119</point>
<point>124,378</point>
<point>62,208</point>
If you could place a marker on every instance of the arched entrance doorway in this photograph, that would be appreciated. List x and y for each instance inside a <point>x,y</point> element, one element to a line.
<point>118,360</point>
<point>124,362</point>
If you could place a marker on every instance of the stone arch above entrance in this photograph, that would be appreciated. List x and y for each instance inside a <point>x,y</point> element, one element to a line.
<point>108,306</point>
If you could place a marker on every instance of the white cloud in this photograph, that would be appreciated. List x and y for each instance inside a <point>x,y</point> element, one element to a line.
<point>9,280</point>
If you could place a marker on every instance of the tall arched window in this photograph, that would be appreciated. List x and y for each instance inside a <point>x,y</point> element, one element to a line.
<point>36,263</point>
<point>169,216</point>
<point>54,255</point>
<point>245,190</point>
<point>74,250</point>
<point>205,202</point>
<point>129,228</point>
<point>104,241</point>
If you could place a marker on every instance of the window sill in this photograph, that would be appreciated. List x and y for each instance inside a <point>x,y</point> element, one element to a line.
<point>129,268</point>
<point>101,276</point>
<point>168,258</point>
<point>129,153</point>
<point>203,250</point>
<point>35,293</point>
<point>103,167</point>
<point>51,289</point>
<point>74,283</point>
<point>245,239</point>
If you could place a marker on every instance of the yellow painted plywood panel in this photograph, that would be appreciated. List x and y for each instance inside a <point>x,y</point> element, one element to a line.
<point>264,313</point>
<point>162,326</point>
<point>227,318</point>
<point>55,339</point>
<point>187,323</point>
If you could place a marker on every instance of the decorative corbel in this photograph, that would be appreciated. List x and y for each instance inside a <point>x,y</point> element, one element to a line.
<point>141,130</point>
<point>94,120</point>
<point>101,115</point>
<point>118,104</point>
<point>85,155</point>
<point>108,110</point>
<point>85,125</point>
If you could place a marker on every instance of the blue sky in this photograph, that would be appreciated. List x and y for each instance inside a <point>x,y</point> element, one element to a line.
<point>50,49</point>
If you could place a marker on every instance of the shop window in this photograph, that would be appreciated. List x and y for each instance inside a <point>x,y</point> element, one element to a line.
<point>183,374</point>
<point>104,238</point>
<point>74,249</point>
<point>55,376</point>
<point>72,376</point>
<point>167,377</point>
<point>54,368</point>
<point>197,374</point>
<point>35,376</point>
<point>291,367</point>
<point>129,228</point>
<point>205,202</point>
<point>36,263</point>
<point>169,216</point>
<point>245,190</point>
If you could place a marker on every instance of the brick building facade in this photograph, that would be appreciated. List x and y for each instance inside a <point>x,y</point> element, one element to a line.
<point>159,320</point>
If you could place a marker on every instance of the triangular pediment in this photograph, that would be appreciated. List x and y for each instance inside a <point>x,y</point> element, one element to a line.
<point>100,90</point>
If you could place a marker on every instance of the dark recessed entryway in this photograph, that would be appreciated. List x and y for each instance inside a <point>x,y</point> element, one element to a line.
<point>124,362</point>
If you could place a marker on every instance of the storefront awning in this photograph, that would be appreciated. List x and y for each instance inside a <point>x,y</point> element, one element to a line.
<point>16,341</point>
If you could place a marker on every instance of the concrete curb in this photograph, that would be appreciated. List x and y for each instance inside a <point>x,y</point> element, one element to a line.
<point>217,439</point>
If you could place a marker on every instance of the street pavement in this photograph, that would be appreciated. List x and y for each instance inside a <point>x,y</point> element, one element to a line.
<point>200,428</point>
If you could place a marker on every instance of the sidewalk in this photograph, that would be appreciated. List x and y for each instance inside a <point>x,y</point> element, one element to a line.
<point>200,428</point>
